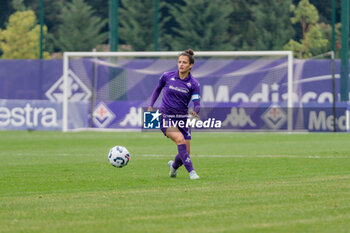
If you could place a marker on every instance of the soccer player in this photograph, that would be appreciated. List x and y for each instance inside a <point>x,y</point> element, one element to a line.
<point>179,87</point>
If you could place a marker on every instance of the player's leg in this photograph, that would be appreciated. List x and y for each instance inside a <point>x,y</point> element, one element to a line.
<point>174,165</point>
<point>193,174</point>
<point>188,146</point>
<point>178,161</point>
<point>175,135</point>
<point>186,132</point>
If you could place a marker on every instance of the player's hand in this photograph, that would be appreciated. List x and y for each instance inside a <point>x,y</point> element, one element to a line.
<point>193,113</point>
<point>150,109</point>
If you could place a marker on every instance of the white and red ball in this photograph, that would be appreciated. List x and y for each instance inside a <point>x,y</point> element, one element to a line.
<point>118,156</point>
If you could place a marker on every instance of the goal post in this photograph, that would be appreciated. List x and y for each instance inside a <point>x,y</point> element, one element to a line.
<point>68,56</point>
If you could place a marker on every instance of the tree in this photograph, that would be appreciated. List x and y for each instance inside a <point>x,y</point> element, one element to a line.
<point>315,41</point>
<point>324,9</point>
<point>52,10</point>
<point>18,5</point>
<point>4,11</point>
<point>137,24</point>
<point>80,29</point>
<point>306,14</point>
<point>241,27</point>
<point>169,23</point>
<point>203,25</point>
<point>272,26</point>
<point>312,37</point>
<point>326,30</point>
<point>20,39</point>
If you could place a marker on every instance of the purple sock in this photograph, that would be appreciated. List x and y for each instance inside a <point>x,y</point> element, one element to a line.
<point>185,157</point>
<point>177,162</point>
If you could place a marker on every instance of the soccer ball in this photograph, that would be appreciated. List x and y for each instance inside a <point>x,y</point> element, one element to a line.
<point>118,156</point>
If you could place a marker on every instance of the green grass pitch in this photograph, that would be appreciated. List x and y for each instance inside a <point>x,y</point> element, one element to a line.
<point>250,182</point>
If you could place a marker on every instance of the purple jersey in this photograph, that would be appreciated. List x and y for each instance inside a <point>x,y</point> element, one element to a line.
<point>177,93</point>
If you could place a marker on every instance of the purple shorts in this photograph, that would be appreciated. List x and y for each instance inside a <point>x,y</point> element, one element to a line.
<point>164,125</point>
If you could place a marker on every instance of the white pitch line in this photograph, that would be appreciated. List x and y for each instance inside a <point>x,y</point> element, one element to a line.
<point>253,156</point>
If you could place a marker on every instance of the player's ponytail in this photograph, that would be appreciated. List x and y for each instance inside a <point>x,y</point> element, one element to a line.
<point>188,53</point>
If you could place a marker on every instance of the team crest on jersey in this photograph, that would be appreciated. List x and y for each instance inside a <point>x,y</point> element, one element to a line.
<point>172,79</point>
<point>189,84</point>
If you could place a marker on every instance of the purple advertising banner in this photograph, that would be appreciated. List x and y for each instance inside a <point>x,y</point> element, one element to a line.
<point>30,115</point>
<point>119,91</point>
<point>221,80</point>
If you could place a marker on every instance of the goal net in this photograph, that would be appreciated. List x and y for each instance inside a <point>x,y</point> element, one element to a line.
<point>250,90</point>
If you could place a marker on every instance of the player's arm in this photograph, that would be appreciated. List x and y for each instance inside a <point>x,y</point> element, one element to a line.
<point>196,101</point>
<point>156,92</point>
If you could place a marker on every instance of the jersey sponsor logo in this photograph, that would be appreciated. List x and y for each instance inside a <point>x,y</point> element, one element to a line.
<point>102,115</point>
<point>178,89</point>
<point>77,91</point>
